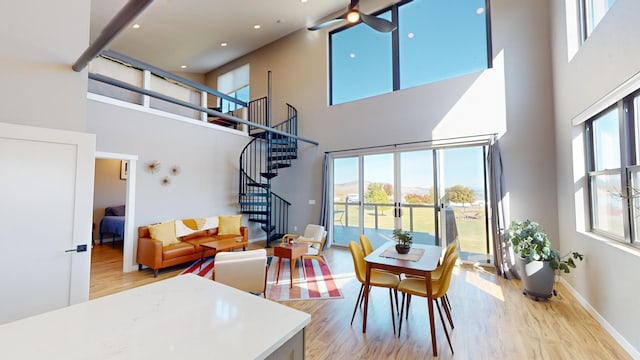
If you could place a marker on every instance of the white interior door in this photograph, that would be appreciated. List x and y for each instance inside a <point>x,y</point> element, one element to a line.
<point>46,187</point>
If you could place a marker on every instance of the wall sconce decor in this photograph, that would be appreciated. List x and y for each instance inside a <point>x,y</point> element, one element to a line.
<point>175,170</point>
<point>153,166</point>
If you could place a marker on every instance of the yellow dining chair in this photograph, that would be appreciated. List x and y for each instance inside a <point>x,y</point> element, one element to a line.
<point>368,249</point>
<point>377,278</point>
<point>436,274</point>
<point>439,288</point>
<point>366,244</point>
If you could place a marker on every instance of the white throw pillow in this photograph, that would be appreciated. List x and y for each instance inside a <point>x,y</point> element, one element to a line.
<point>311,245</point>
<point>210,223</point>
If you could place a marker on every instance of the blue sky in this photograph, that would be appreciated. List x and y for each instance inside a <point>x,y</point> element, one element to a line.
<point>437,40</point>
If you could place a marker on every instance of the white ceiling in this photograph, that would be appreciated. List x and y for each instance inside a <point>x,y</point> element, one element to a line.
<point>189,32</point>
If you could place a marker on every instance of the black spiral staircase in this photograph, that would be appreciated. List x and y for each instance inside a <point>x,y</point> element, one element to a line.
<point>260,161</point>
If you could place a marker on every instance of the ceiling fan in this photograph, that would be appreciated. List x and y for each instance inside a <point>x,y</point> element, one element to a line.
<point>354,16</point>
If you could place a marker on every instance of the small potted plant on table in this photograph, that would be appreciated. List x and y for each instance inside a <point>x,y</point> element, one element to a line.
<point>536,260</point>
<point>404,239</point>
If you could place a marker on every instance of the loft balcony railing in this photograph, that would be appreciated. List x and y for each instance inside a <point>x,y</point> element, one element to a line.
<point>140,91</point>
<point>144,76</point>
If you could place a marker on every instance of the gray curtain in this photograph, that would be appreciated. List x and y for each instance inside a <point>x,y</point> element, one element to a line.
<point>503,257</point>
<point>325,211</point>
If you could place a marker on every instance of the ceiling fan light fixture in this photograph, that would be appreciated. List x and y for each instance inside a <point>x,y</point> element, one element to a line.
<point>353,16</point>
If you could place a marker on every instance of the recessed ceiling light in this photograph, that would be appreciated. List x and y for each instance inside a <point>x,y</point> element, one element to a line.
<point>183,66</point>
<point>410,35</point>
<point>303,1</point>
<point>479,11</point>
<point>136,26</point>
<point>352,55</point>
<point>223,44</point>
<point>256,26</point>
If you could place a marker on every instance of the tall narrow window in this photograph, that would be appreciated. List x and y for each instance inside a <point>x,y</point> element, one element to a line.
<point>634,173</point>
<point>592,13</point>
<point>605,175</point>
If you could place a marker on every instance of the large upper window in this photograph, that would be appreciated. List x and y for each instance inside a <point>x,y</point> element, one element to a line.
<point>592,12</point>
<point>441,40</point>
<point>361,63</point>
<point>614,171</point>
<point>435,40</point>
<point>234,83</point>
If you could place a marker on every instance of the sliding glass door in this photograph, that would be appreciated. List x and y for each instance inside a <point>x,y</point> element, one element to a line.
<point>376,193</point>
<point>378,205</point>
<point>418,194</point>
<point>346,200</point>
<point>464,200</point>
<point>436,194</point>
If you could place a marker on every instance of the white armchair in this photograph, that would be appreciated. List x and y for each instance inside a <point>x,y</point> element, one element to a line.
<point>244,270</point>
<point>316,236</point>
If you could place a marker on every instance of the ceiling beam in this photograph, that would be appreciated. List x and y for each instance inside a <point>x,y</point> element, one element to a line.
<point>129,12</point>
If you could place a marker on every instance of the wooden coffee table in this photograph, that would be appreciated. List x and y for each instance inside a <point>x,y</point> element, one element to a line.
<point>293,252</point>
<point>229,244</point>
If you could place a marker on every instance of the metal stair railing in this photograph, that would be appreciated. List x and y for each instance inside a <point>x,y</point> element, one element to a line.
<point>259,163</point>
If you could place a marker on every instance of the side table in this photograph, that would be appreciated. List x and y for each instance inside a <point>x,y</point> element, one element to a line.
<point>293,252</point>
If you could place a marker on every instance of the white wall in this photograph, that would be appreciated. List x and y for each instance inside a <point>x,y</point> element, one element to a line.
<point>40,40</point>
<point>512,99</point>
<point>611,55</point>
<point>207,157</point>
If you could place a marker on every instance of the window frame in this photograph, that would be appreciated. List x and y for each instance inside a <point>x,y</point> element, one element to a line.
<point>629,162</point>
<point>395,46</point>
<point>584,11</point>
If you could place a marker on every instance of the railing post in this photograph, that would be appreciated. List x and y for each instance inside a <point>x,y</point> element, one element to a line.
<point>346,214</point>
<point>203,103</point>
<point>146,84</point>
<point>375,213</point>
<point>411,217</point>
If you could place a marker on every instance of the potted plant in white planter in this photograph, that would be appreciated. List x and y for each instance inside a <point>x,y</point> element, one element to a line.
<point>404,239</point>
<point>537,261</point>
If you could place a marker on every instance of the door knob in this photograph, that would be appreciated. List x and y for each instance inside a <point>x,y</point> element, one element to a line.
<point>79,248</point>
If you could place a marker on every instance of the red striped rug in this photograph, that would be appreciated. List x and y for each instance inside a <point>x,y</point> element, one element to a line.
<point>320,283</point>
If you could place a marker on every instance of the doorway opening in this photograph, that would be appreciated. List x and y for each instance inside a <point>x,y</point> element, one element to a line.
<point>114,205</point>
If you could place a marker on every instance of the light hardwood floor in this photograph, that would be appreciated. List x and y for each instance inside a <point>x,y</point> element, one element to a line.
<point>492,319</point>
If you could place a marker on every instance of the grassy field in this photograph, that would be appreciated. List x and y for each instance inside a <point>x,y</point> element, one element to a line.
<point>470,222</point>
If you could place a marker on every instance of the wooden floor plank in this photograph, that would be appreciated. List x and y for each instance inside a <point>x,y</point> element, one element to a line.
<point>492,319</point>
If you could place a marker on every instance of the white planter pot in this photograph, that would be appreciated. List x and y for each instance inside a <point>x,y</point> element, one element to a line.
<point>537,278</point>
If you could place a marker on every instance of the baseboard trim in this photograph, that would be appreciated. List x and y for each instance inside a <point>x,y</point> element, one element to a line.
<point>633,352</point>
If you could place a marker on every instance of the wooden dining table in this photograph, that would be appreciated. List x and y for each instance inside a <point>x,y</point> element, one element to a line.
<point>423,266</point>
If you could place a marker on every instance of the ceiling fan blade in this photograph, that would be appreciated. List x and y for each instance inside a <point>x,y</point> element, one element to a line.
<point>325,24</point>
<point>377,23</point>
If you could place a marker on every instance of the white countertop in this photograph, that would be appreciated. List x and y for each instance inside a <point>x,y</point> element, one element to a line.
<point>185,317</point>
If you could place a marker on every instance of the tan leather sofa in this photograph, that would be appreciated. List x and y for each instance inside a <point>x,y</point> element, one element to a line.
<point>151,253</point>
